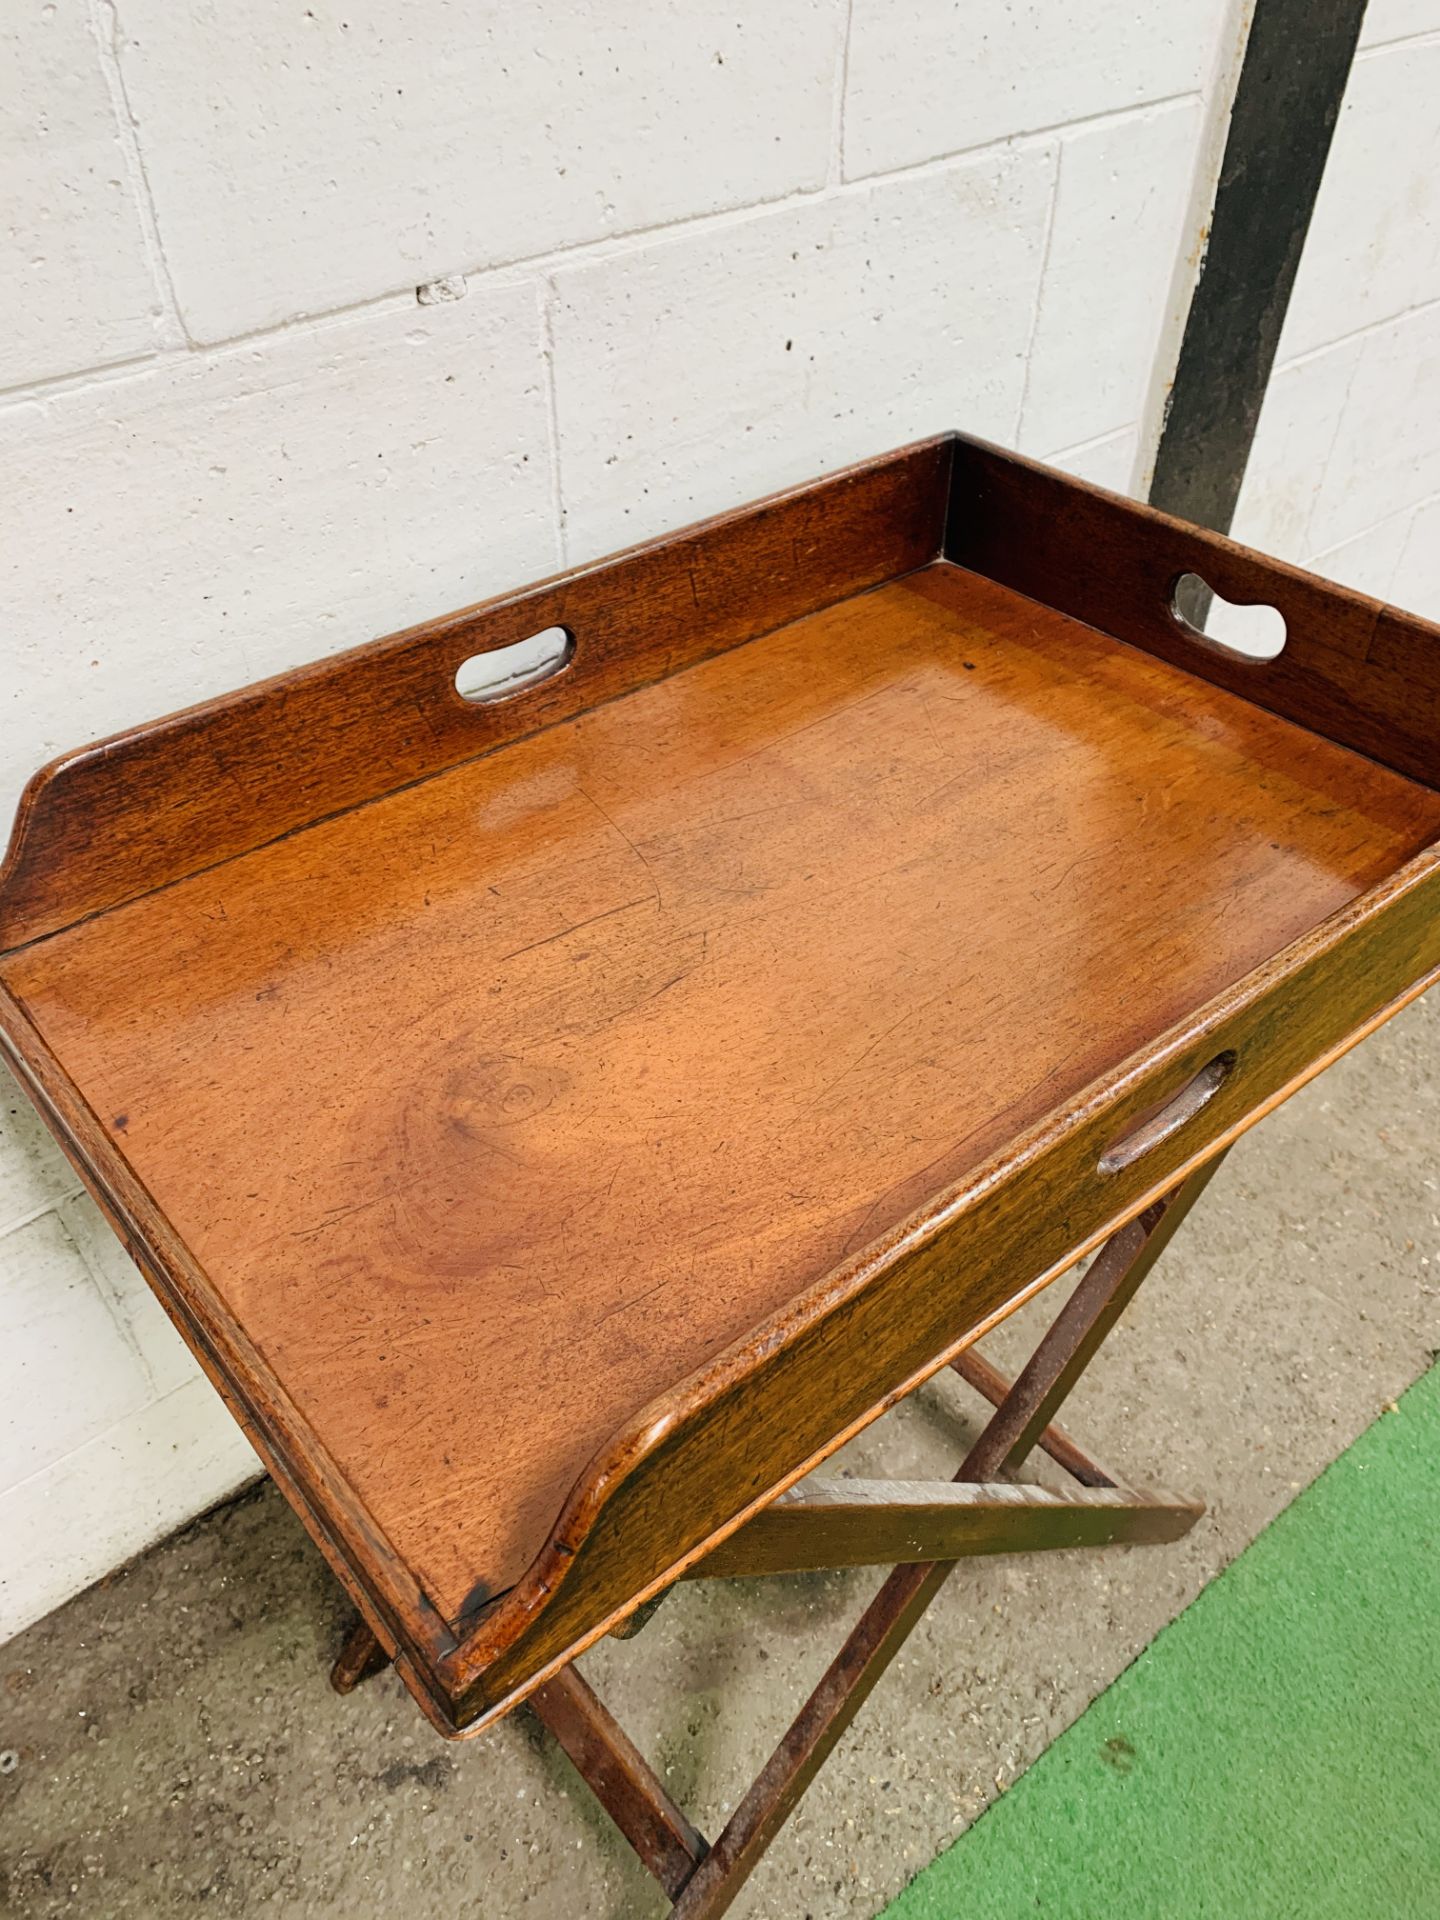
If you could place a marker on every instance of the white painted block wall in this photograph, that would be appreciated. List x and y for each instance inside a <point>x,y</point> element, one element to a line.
<point>700,254</point>
<point>1344,476</point>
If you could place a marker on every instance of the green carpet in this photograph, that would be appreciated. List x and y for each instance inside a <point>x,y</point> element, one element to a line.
<point>1276,1752</point>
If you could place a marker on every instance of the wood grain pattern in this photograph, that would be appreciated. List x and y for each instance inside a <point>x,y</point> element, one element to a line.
<point>774,1406</point>
<point>554,1159</point>
<point>384,1590</point>
<point>883,1523</point>
<point>115,819</point>
<point>1352,669</point>
<point>647,1023</point>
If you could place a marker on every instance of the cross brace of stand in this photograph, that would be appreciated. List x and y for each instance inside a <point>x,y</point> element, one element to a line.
<point>920,1529</point>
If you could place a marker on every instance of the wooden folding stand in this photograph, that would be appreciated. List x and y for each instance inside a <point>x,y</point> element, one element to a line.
<point>560,1113</point>
<point>923,1528</point>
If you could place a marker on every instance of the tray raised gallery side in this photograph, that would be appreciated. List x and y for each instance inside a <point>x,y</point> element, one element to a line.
<point>558,1122</point>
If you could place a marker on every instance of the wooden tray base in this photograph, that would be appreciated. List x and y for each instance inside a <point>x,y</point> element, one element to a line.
<point>558,1123</point>
<point>924,1529</point>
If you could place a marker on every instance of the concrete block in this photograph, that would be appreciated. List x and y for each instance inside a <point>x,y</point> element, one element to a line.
<point>186,529</point>
<point>73,261</point>
<point>1119,227</point>
<point>1108,462</point>
<point>1416,581</point>
<point>1386,452</point>
<point>1373,249</point>
<point>1298,423</point>
<point>66,1371</point>
<point>115,1496</point>
<point>1367,563</point>
<point>696,373</point>
<point>167,1360</point>
<point>303,158</point>
<point>33,1171</point>
<point>927,78</point>
<point>1387,20</point>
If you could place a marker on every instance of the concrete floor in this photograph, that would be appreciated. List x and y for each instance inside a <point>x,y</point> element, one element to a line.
<point>176,1745</point>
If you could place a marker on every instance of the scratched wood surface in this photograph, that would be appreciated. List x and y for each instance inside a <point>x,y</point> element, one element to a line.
<point>497,1106</point>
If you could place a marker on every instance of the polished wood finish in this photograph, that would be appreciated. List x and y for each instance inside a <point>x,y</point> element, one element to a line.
<point>559,1125</point>
<point>119,818</point>
<point>645,1002</point>
<point>1352,669</point>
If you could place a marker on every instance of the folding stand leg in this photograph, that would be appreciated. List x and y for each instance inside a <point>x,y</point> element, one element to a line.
<point>621,1779</point>
<point>601,1751</point>
<point>1037,1394</point>
<point>361,1657</point>
<point>976,1515</point>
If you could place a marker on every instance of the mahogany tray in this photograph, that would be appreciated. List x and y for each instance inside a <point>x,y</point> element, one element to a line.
<point>559,1122</point>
